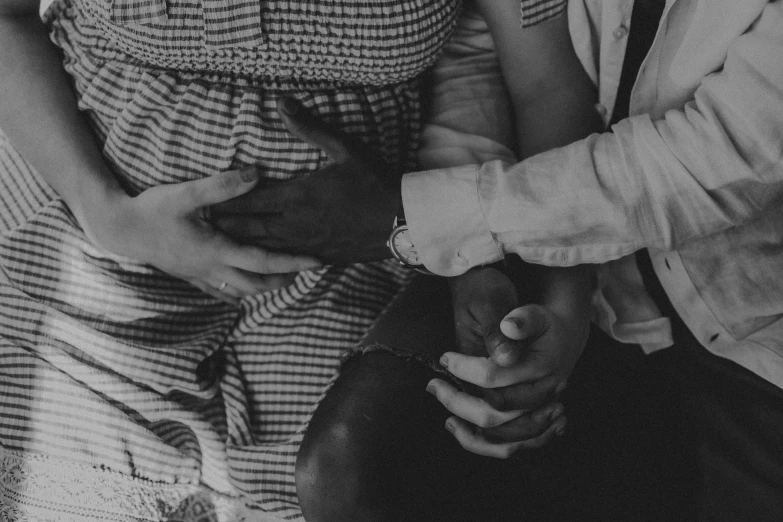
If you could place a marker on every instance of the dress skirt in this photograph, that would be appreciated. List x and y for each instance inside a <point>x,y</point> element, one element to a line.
<point>127,394</point>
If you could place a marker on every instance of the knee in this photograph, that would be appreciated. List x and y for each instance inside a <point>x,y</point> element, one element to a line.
<point>351,465</point>
<point>336,480</point>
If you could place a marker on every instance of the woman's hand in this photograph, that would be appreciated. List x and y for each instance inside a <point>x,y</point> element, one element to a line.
<point>342,213</point>
<point>167,226</point>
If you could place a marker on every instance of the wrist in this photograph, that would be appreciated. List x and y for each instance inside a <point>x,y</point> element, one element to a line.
<point>568,291</point>
<point>100,209</point>
<point>401,245</point>
<point>95,197</point>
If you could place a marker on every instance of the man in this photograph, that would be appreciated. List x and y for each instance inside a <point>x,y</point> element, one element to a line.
<point>690,177</point>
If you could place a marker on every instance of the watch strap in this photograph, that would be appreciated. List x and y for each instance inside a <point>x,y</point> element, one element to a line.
<point>399,219</point>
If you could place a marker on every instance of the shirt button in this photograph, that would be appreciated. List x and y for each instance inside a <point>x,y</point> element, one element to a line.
<point>600,108</point>
<point>620,32</point>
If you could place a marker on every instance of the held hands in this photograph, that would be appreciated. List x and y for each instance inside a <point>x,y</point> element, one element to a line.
<point>342,213</point>
<point>167,227</point>
<point>520,361</point>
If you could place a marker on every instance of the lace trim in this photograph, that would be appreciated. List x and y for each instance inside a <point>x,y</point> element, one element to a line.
<point>38,488</point>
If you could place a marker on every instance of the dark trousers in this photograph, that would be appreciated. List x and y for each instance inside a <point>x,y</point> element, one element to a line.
<point>677,435</point>
<point>680,434</point>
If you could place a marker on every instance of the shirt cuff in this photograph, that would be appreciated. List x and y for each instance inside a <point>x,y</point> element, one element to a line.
<point>445,220</point>
<point>652,335</point>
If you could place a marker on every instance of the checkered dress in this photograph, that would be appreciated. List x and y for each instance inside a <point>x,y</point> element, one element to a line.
<point>105,414</point>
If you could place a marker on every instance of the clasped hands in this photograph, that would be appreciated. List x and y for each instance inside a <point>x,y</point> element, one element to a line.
<point>519,357</point>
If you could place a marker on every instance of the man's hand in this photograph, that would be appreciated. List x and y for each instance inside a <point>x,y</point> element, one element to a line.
<point>528,355</point>
<point>342,213</point>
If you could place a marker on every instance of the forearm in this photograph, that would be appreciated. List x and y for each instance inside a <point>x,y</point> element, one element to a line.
<point>683,172</point>
<point>568,291</point>
<point>553,101</point>
<point>467,118</point>
<point>552,96</point>
<point>38,112</point>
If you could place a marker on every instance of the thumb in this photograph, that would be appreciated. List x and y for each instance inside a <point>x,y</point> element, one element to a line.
<point>525,323</point>
<point>503,350</point>
<point>306,127</point>
<point>217,188</point>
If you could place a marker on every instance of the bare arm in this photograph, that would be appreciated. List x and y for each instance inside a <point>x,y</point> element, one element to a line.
<point>553,101</point>
<point>532,348</point>
<point>165,226</point>
<point>38,113</point>
<point>553,97</point>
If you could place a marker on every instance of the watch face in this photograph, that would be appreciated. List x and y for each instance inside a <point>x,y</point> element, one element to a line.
<point>403,247</point>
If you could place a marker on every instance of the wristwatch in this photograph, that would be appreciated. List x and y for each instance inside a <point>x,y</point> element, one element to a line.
<point>401,246</point>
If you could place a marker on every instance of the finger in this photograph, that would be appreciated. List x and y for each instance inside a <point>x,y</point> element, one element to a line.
<point>475,442</point>
<point>483,371</point>
<point>217,188</point>
<point>239,227</point>
<point>235,289</point>
<point>239,283</point>
<point>262,261</point>
<point>252,234</point>
<point>526,323</point>
<point>524,395</point>
<point>271,231</point>
<point>527,426</point>
<point>468,407</point>
<point>214,292</point>
<point>266,198</point>
<point>312,130</point>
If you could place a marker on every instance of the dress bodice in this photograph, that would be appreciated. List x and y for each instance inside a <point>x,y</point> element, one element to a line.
<point>368,42</point>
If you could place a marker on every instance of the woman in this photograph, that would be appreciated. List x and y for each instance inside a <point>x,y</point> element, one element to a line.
<point>152,367</point>
<point>377,449</point>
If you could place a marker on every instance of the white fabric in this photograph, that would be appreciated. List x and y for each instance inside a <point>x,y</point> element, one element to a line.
<point>695,174</point>
<point>45,4</point>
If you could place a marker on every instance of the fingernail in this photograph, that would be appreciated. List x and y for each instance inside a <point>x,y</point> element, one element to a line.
<point>431,387</point>
<point>444,361</point>
<point>557,412</point>
<point>450,426</point>
<point>249,174</point>
<point>504,350</point>
<point>513,321</point>
<point>290,106</point>
<point>560,388</point>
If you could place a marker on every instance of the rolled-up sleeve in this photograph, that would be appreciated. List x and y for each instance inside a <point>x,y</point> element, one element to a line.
<point>715,164</point>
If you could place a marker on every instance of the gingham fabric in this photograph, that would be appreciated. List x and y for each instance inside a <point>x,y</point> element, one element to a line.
<point>105,412</point>
<point>536,11</point>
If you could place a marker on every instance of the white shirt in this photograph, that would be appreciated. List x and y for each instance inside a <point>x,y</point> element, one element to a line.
<point>695,175</point>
